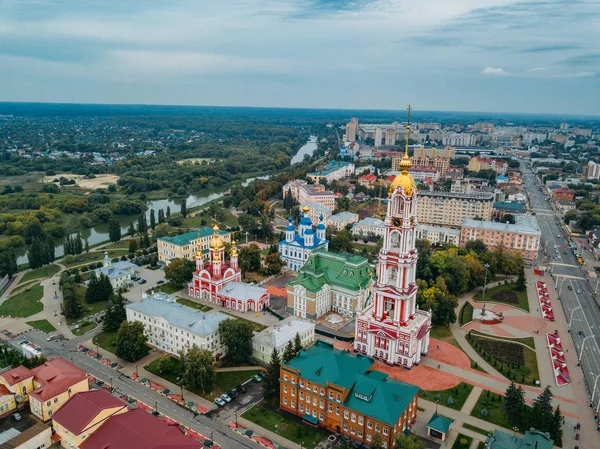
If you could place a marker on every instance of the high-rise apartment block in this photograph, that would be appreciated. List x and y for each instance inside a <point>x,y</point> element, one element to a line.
<point>592,170</point>
<point>428,157</point>
<point>450,209</point>
<point>378,137</point>
<point>478,163</point>
<point>390,136</point>
<point>352,129</point>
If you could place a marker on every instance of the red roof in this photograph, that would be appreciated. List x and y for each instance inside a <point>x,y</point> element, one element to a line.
<point>138,429</point>
<point>5,391</point>
<point>54,377</point>
<point>16,375</point>
<point>368,178</point>
<point>82,408</point>
<point>418,168</point>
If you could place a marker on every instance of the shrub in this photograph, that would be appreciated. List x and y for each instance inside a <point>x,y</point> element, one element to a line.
<point>484,412</point>
<point>463,442</point>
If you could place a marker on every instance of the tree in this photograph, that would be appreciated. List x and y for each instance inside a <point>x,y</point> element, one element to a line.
<point>168,214</point>
<point>273,263</point>
<point>71,307</point>
<point>8,264</point>
<point>99,289</point>
<point>288,353</point>
<point>131,230</point>
<point>377,441</point>
<point>556,431</point>
<point>115,314</point>
<point>161,216</point>
<point>175,220</point>
<point>152,220</point>
<point>133,245</point>
<point>297,344</point>
<point>114,229</point>
<point>249,258</point>
<point>514,404</point>
<point>142,226</point>
<point>477,246</point>
<point>180,271</point>
<point>521,285</point>
<point>87,246</point>
<point>270,383</point>
<point>197,368</point>
<point>131,341</point>
<point>407,442</point>
<point>237,337</point>
<point>541,416</point>
<point>288,200</point>
<point>183,209</point>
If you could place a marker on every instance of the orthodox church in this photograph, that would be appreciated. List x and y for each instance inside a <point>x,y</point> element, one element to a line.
<point>219,282</point>
<point>392,328</point>
<point>297,246</point>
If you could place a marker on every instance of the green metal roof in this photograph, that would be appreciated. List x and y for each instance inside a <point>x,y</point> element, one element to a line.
<point>531,440</point>
<point>440,423</point>
<point>372,393</point>
<point>310,419</point>
<point>186,239</point>
<point>338,269</point>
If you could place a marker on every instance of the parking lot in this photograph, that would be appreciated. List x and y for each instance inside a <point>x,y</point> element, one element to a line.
<point>152,278</point>
<point>240,404</point>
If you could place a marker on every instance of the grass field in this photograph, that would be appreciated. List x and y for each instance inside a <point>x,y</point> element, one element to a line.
<point>527,341</point>
<point>42,325</point>
<point>85,329</point>
<point>444,333</point>
<point>24,304</point>
<point>462,442</point>
<point>256,327</point>
<point>466,314</point>
<point>40,273</point>
<point>194,304</point>
<point>95,256</point>
<point>495,293</point>
<point>459,395</point>
<point>493,406</point>
<point>196,221</point>
<point>88,309</point>
<point>476,429</point>
<point>166,288</point>
<point>285,425</point>
<point>107,341</point>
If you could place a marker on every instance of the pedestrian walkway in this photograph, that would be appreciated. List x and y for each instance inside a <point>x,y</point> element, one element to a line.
<point>472,400</point>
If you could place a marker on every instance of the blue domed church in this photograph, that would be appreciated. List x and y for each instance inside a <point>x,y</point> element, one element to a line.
<point>298,245</point>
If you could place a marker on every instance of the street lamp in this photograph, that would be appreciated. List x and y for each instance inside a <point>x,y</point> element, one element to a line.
<point>582,346</point>
<point>156,407</point>
<point>571,317</point>
<point>595,384</point>
<point>111,386</point>
<point>235,414</point>
<point>97,351</point>
<point>136,371</point>
<point>487,265</point>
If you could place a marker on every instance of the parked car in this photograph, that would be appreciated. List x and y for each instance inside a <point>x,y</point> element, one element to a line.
<point>134,278</point>
<point>142,281</point>
<point>581,334</point>
<point>240,389</point>
<point>17,417</point>
<point>114,365</point>
<point>232,394</point>
<point>257,378</point>
<point>220,402</point>
<point>578,292</point>
<point>160,282</point>
<point>569,287</point>
<point>225,397</point>
<point>262,374</point>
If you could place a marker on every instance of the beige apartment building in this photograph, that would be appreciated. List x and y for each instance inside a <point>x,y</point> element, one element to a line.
<point>185,246</point>
<point>428,157</point>
<point>317,194</point>
<point>450,209</point>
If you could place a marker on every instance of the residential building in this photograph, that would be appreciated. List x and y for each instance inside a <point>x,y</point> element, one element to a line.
<point>531,439</point>
<point>459,139</point>
<point>449,209</point>
<point>518,197</point>
<point>423,173</point>
<point>455,173</point>
<point>138,429</point>
<point>428,157</point>
<point>507,207</point>
<point>524,236</point>
<point>367,226</point>
<point>341,220</point>
<point>119,273</point>
<point>279,335</point>
<point>352,129</point>
<point>367,180</point>
<point>468,185</point>
<point>378,137</point>
<point>318,213</point>
<point>337,282</point>
<point>563,194</point>
<point>297,246</point>
<point>316,194</point>
<point>172,327</point>
<point>478,163</point>
<point>332,171</point>
<point>47,387</point>
<point>294,188</point>
<point>565,206</point>
<point>218,281</point>
<point>391,327</point>
<point>340,391</point>
<point>83,414</point>
<point>437,235</point>
<point>390,136</point>
<point>38,436</point>
<point>186,246</point>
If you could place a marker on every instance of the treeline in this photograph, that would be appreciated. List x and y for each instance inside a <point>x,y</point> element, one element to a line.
<point>40,252</point>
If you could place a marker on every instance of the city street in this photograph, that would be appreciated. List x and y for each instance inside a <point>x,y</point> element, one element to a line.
<point>571,281</point>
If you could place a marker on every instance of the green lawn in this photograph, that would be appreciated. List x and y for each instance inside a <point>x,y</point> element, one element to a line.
<point>42,325</point>
<point>94,256</point>
<point>460,439</point>
<point>495,294</point>
<point>286,426</point>
<point>196,221</point>
<point>123,244</point>
<point>40,273</point>
<point>466,314</point>
<point>477,429</point>
<point>444,333</point>
<point>24,304</point>
<point>493,406</point>
<point>85,328</point>
<point>481,445</point>
<point>88,309</point>
<point>459,395</point>
<point>167,287</point>
<point>107,341</point>
<point>194,304</point>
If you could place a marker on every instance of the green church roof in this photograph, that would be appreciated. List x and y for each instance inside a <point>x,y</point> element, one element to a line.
<point>339,269</point>
<point>531,440</point>
<point>372,393</point>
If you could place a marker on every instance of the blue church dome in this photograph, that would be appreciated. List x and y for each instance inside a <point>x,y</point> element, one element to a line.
<point>321,225</point>
<point>306,220</point>
<point>309,231</point>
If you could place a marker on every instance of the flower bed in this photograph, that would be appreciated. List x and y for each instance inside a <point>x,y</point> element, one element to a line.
<point>505,352</point>
<point>506,296</point>
<point>544,300</point>
<point>559,364</point>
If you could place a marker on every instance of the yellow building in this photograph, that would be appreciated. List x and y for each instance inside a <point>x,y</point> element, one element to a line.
<point>185,246</point>
<point>46,387</point>
<point>450,209</point>
<point>83,414</point>
<point>428,157</point>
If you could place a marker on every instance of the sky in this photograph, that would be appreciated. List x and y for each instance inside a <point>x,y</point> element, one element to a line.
<point>447,55</point>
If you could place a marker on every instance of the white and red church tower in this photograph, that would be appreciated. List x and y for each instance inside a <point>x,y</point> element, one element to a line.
<point>391,328</point>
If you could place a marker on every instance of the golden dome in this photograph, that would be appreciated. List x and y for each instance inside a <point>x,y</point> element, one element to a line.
<point>305,209</point>
<point>233,249</point>
<point>216,242</point>
<point>216,258</point>
<point>199,254</point>
<point>404,180</point>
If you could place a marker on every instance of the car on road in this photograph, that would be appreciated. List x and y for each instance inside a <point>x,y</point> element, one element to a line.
<point>225,397</point>
<point>17,417</point>
<point>240,389</point>
<point>257,378</point>
<point>114,365</point>
<point>262,374</point>
<point>220,402</point>
<point>232,394</point>
<point>578,291</point>
<point>558,236</point>
<point>569,287</point>
<point>581,333</point>
<point>141,281</point>
<point>51,338</point>
<point>160,282</point>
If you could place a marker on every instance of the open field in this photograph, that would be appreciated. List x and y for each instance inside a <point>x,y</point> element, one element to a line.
<point>99,182</point>
<point>40,273</point>
<point>42,325</point>
<point>453,398</point>
<point>505,294</point>
<point>24,304</point>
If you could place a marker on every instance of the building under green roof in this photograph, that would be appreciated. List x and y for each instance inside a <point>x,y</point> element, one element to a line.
<point>372,393</point>
<point>187,238</point>
<point>440,423</point>
<point>531,440</point>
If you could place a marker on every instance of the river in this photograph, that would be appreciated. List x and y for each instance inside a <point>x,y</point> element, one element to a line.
<point>307,149</point>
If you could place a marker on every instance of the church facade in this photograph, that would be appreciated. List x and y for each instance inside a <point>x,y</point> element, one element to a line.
<point>391,328</point>
<point>297,246</point>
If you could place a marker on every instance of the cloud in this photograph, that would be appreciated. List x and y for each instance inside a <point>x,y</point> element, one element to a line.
<point>493,71</point>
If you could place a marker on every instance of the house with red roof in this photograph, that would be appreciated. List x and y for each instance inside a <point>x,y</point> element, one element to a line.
<point>367,180</point>
<point>47,387</point>
<point>83,414</point>
<point>15,385</point>
<point>138,429</point>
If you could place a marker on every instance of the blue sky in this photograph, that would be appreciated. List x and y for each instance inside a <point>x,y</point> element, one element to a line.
<point>473,55</point>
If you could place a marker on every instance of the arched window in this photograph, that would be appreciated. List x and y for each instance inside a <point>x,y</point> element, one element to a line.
<point>398,206</point>
<point>395,240</point>
<point>392,274</point>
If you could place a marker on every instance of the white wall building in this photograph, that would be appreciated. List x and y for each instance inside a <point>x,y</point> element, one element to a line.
<point>119,273</point>
<point>316,194</point>
<point>172,327</point>
<point>369,225</point>
<point>278,336</point>
<point>438,234</point>
<point>341,220</point>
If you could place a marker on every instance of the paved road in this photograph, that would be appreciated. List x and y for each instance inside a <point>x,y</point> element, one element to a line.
<point>202,424</point>
<point>578,300</point>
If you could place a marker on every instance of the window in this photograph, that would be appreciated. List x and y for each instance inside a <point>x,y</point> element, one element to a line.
<point>48,403</point>
<point>383,444</point>
<point>321,403</point>
<point>370,424</point>
<point>346,427</point>
<point>285,377</point>
<point>331,395</point>
<point>346,414</point>
<point>368,437</point>
<point>301,383</point>
<point>293,392</point>
<point>337,398</point>
<point>50,413</point>
<point>360,420</point>
<point>308,385</point>
<point>315,388</point>
<point>284,401</point>
<point>301,407</point>
<point>321,417</point>
<point>330,408</point>
<point>308,398</point>
<point>322,391</point>
<point>293,404</point>
<point>385,430</point>
<point>360,434</point>
<point>337,410</point>
<point>285,388</point>
<point>315,402</point>
<point>301,395</point>
<point>352,430</point>
<point>377,427</point>
<point>353,418</point>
